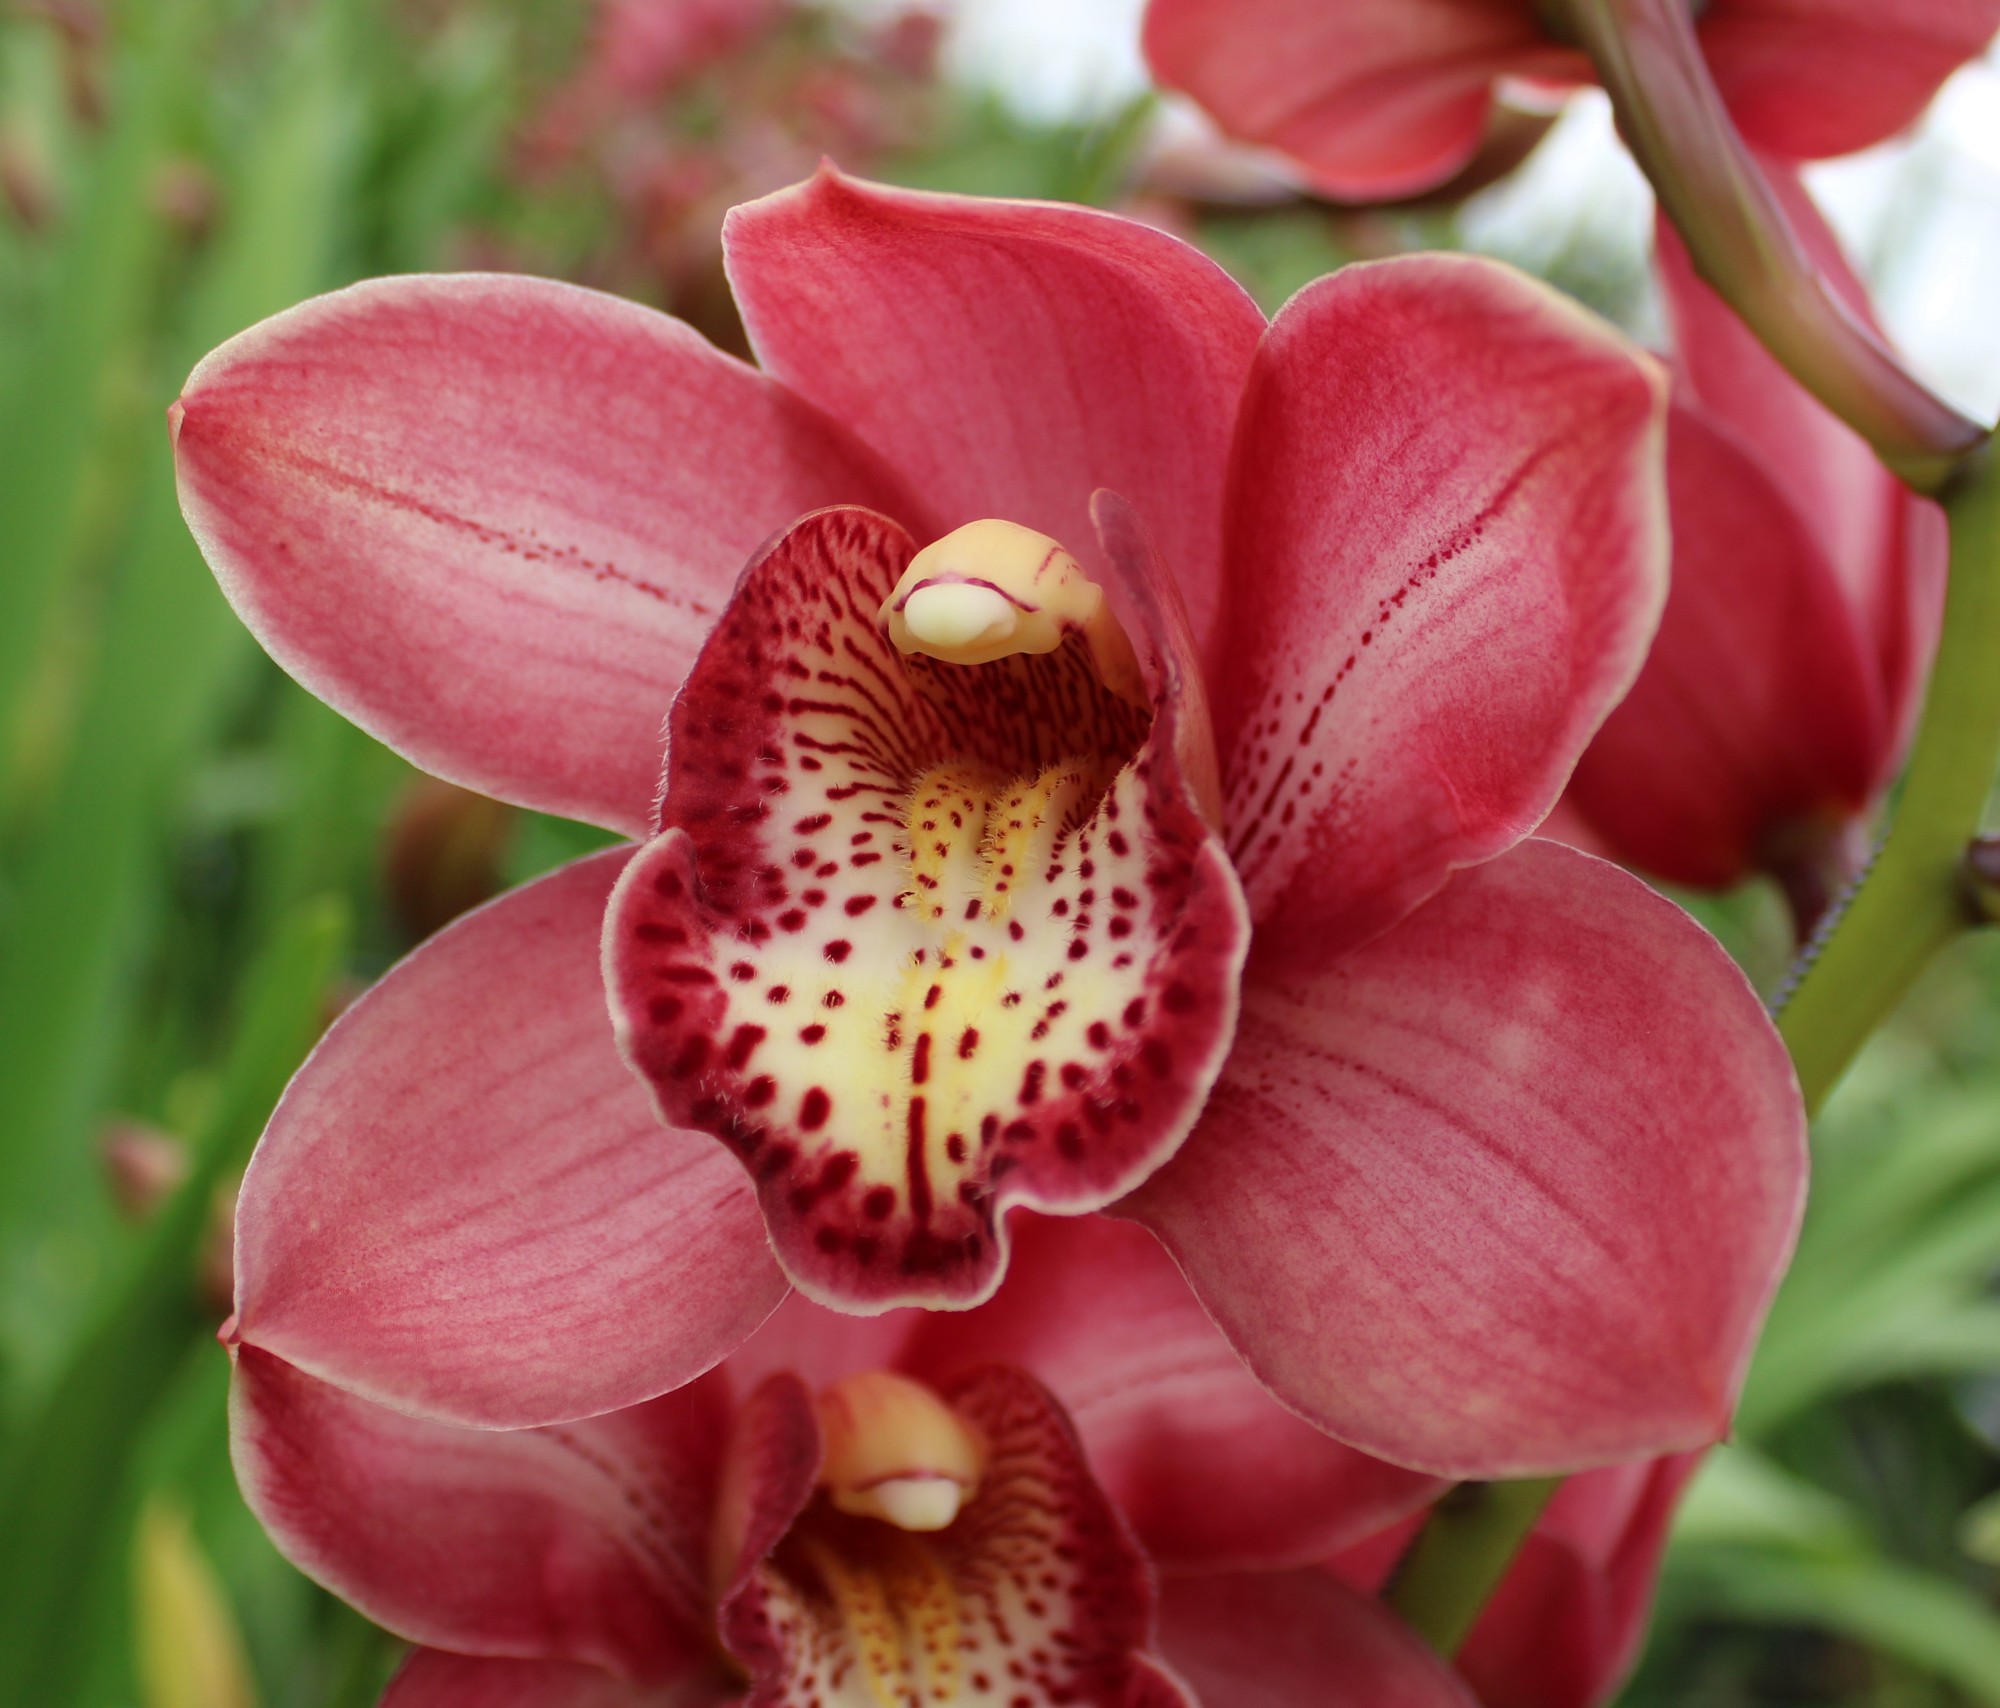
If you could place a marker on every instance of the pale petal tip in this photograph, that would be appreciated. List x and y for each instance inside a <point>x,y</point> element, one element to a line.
<point>175,412</point>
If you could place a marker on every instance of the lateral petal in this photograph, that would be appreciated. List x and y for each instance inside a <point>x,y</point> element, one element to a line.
<point>490,518</point>
<point>1297,1640</point>
<point>464,1205</point>
<point>1505,1192</point>
<point>1447,501</point>
<point>1007,358</point>
<point>582,1542</point>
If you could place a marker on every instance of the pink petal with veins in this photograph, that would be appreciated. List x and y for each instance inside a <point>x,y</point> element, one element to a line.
<point>491,518</point>
<point>1447,502</point>
<point>581,1542</point>
<point>465,1206</point>
<point>1508,1190</point>
<point>1008,358</point>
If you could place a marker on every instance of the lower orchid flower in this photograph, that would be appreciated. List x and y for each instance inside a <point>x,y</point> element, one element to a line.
<point>1385,98</point>
<point>1808,590</point>
<point>1160,851</point>
<point>863,1512</point>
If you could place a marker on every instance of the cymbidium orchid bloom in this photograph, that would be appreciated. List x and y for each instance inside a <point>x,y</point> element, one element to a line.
<point>1384,98</point>
<point>974,798</point>
<point>865,1512</point>
<point>1808,586</point>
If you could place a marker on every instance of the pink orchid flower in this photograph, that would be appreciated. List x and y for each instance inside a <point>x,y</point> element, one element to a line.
<point>1386,98</point>
<point>965,1509</point>
<point>1808,588</point>
<point>1484,1157</point>
<point>1567,1623</point>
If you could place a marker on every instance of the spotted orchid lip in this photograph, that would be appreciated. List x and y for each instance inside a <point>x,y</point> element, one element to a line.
<point>1035,1591</point>
<point>919,940</point>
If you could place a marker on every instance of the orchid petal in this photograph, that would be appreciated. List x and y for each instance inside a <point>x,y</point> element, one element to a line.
<point>1034,1593</point>
<point>1210,1471</point>
<point>1505,1192</point>
<point>1810,79</point>
<point>1885,545</point>
<point>831,960</point>
<point>1759,715</point>
<point>431,1678</point>
<point>1447,499</point>
<point>580,1542</point>
<point>1374,98</point>
<point>1007,358</point>
<point>1297,1640</point>
<point>464,1206</point>
<point>490,518</point>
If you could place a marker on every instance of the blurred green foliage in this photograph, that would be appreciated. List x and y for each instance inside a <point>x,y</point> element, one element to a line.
<point>198,863</point>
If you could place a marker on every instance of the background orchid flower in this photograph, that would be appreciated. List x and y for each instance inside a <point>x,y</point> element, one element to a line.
<point>859,1510</point>
<point>1497,1157</point>
<point>1385,98</point>
<point>1808,586</point>
<point>1566,1623</point>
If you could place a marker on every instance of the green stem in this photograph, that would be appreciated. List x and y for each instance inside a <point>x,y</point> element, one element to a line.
<point>1461,1554</point>
<point>1912,901</point>
<point>1742,243</point>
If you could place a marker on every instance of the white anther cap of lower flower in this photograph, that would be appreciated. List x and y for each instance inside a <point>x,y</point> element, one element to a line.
<point>893,1450</point>
<point>951,615</point>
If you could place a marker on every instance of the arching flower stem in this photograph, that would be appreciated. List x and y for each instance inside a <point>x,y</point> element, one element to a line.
<point>1462,1553</point>
<point>1710,185</point>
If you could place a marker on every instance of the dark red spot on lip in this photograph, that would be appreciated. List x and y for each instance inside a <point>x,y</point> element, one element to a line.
<point>917,1163</point>
<point>858,905</point>
<point>759,1091</point>
<point>838,950</point>
<point>1177,998</point>
<point>968,1041</point>
<point>1031,1082</point>
<point>688,1063</point>
<point>792,919</point>
<point>665,1009</point>
<point>743,1044</point>
<point>878,1202</point>
<point>811,1034</point>
<point>920,1059</point>
<point>814,1108</point>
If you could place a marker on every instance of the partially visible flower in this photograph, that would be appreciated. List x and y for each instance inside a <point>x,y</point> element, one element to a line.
<point>1807,592</point>
<point>1568,1620</point>
<point>1485,1157</point>
<point>852,1512</point>
<point>143,1166</point>
<point>1385,98</point>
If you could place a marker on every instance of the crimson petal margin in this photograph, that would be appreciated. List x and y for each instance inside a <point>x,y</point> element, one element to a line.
<point>1007,358</point>
<point>1447,495</point>
<point>1297,1640</point>
<point>581,1542</point>
<point>490,518</point>
<point>1506,1192</point>
<point>464,1205</point>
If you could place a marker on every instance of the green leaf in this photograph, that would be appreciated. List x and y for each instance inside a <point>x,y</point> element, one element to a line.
<point>63,1484</point>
